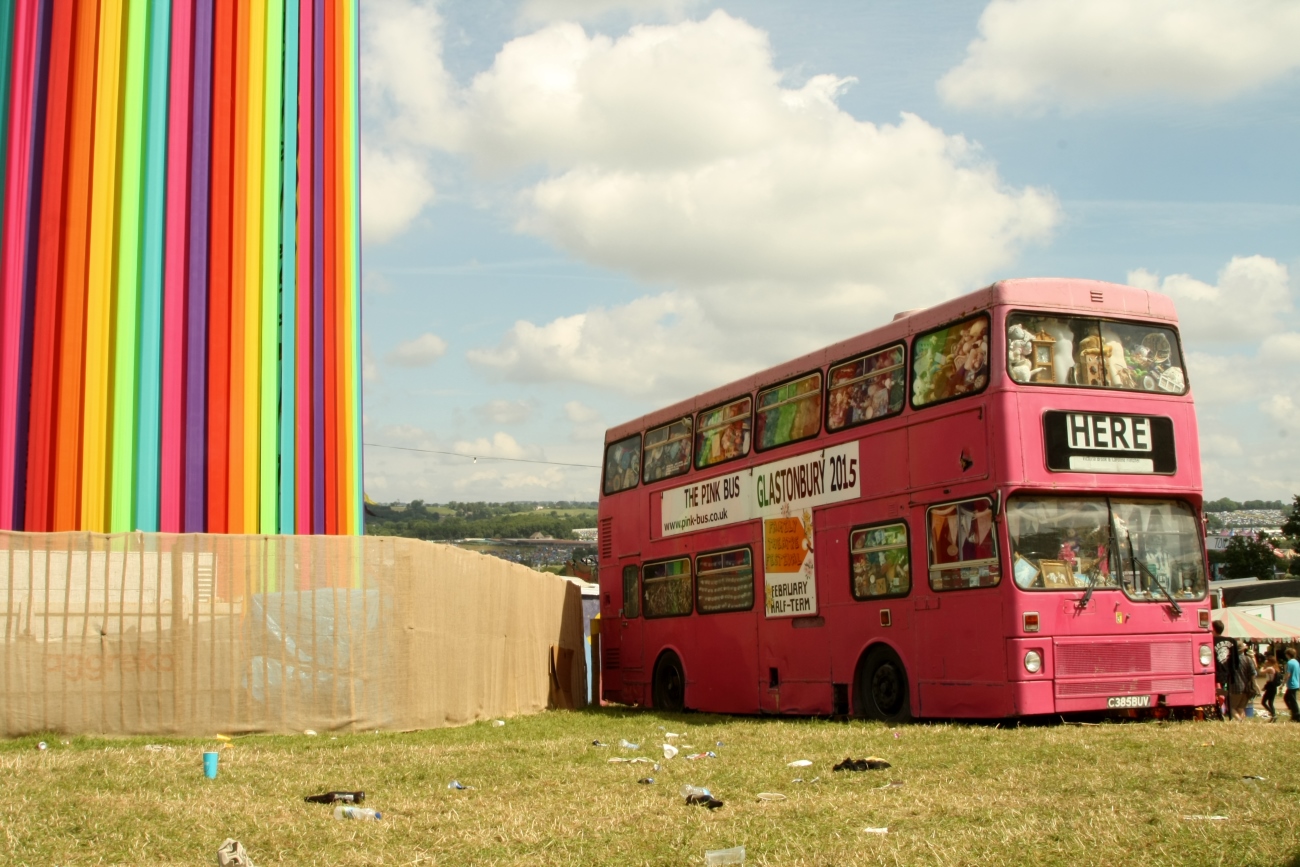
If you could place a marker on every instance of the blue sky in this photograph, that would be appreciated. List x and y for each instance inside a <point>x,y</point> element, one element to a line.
<point>576,211</point>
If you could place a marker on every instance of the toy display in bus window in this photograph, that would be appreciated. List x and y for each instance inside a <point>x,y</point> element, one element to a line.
<point>950,362</point>
<point>866,388</point>
<point>666,588</point>
<point>879,562</point>
<point>725,581</point>
<point>668,450</point>
<point>622,464</point>
<point>963,546</point>
<point>1101,354</point>
<point>789,412</point>
<point>723,433</point>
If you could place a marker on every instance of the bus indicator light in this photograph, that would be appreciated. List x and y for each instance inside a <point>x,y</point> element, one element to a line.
<point>1203,616</point>
<point>885,618</point>
<point>1031,621</point>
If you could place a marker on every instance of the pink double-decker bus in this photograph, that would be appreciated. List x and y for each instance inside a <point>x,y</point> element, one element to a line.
<point>989,508</point>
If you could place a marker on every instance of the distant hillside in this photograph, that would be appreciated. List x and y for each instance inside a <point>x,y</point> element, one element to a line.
<point>454,520</point>
<point>1226,505</point>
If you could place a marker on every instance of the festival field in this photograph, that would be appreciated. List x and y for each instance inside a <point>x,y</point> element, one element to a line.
<point>544,795</point>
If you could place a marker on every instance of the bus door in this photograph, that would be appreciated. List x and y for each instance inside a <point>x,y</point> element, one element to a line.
<point>726,631</point>
<point>631,632</point>
<point>961,648</point>
<point>794,659</point>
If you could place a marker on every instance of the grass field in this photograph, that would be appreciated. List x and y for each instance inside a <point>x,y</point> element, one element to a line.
<point>1105,795</point>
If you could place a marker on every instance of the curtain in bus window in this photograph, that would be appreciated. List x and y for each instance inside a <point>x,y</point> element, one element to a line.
<point>963,546</point>
<point>1069,350</point>
<point>1159,547</point>
<point>724,581</point>
<point>879,562</point>
<point>790,412</point>
<point>622,464</point>
<point>866,388</point>
<point>1060,543</point>
<point>666,588</point>
<point>723,434</point>
<point>667,451</point>
<point>950,361</point>
<point>631,598</point>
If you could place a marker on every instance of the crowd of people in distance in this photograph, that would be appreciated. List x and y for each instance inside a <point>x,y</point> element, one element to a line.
<point>1242,674</point>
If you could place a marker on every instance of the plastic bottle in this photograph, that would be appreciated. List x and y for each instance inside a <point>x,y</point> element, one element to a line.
<point>336,798</point>
<point>349,812</point>
<point>696,791</point>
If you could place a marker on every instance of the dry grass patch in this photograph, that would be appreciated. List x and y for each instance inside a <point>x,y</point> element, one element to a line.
<point>544,795</point>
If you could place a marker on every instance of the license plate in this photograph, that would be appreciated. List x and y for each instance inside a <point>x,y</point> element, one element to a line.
<point>1129,701</point>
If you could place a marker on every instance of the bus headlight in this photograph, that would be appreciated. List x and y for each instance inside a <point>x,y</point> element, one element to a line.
<point>1033,662</point>
<point>1206,655</point>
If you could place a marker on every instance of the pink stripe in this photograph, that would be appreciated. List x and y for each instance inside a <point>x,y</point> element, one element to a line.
<point>306,139</point>
<point>174,285</point>
<point>14,245</point>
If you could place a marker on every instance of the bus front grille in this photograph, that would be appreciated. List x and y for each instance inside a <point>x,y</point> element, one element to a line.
<point>1082,658</point>
<point>1136,686</point>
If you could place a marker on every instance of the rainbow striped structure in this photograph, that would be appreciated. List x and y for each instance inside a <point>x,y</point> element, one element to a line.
<point>179,266</point>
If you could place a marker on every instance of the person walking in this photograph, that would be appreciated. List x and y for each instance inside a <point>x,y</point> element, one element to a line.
<point>1274,673</point>
<point>1292,684</point>
<point>1222,666</point>
<point>1242,676</point>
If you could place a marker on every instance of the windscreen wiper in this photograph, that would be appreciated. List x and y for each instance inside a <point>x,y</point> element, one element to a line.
<point>1138,564</point>
<point>1095,572</point>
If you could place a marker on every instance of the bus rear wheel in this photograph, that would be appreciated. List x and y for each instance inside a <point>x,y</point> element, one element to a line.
<point>669,684</point>
<point>882,692</point>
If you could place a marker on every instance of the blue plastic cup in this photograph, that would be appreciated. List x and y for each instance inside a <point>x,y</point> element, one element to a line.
<point>210,765</point>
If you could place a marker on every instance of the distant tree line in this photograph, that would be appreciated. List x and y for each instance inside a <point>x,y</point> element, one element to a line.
<point>1225,504</point>
<point>456,520</point>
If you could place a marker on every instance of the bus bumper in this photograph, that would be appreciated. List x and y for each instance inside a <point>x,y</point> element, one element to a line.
<point>1045,696</point>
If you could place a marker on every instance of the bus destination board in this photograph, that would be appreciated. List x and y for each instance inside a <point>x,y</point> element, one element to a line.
<point>782,494</point>
<point>1089,442</point>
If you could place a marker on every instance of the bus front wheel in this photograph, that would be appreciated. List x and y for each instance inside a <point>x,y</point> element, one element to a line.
<point>669,684</point>
<point>882,692</point>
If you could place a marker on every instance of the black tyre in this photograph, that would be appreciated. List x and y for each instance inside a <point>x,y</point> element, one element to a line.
<point>669,684</point>
<point>882,692</point>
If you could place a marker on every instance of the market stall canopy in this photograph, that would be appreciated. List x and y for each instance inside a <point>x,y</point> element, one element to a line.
<point>1239,624</point>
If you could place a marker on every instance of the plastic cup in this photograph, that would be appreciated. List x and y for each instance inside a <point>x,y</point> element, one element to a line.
<point>210,765</point>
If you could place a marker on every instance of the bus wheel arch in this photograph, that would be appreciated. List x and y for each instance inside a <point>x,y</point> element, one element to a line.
<point>881,689</point>
<point>668,684</point>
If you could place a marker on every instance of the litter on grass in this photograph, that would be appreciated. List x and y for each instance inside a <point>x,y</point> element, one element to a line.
<point>771,796</point>
<point>628,745</point>
<point>800,763</point>
<point>669,751</point>
<point>232,854</point>
<point>802,780</point>
<point>498,722</point>
<point>309,733</point>
<point>646,781</point>
<point>708,755</point>
<point>721,857</point>
<point>875,830</point>
<point>457,784</point>
<point>892,784</point>
<point>620,760</point>
<point>598,744</point>
<point>870,763</point>
<point>1206,818</point>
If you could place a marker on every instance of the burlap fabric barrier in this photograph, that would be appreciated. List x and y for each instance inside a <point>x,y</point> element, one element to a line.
<point>194,634</point>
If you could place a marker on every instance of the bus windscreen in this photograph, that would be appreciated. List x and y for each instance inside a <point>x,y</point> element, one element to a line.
<point>1094,353</point>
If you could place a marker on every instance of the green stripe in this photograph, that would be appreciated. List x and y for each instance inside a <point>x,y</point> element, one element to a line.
<point>270,290</point>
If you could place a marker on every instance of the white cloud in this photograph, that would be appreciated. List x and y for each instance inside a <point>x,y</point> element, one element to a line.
<point>395,189</point>
<point>587,422</point>
<point>501,445</point>
<point>506,411</point>
<point>1084,53</point>
<point>676,154</point>
<point>419,352</point>
<point>1251,300</point>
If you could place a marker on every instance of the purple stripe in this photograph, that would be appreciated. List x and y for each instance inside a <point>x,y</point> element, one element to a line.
<point>36,173</point>
<point>318,273</point>
<point>196,392</point>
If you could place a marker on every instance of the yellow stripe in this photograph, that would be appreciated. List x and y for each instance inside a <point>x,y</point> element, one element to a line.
<point>100,277</point>
<point>252,265</point>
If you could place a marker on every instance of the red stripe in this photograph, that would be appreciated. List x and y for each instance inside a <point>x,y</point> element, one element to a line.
<point>331,268</point>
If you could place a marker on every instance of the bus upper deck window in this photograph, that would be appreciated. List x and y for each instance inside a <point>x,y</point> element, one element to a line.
<point>866,388</point>
<point>622,464</point>
<point>789,412</point>
<point>722,434</point>
<point>667,451</point>
<point>950,362</point>
<point>1094,353</point>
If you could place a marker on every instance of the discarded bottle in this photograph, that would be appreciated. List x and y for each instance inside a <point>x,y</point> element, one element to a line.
<point>719,857</point>
<point>698,795</point>
<point>459,786</point>
<point>336,798</point>
<point>628,745</point>
<point>357,813</point>
<point>688,791</point>
<point>598,744</point>
<point>646,781</point>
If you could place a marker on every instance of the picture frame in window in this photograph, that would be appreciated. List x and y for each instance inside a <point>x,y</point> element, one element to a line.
<point>622,470</point>
<point>951,362</point>
<point>667,588</point>
<point>722,433</point>
<point>1057,574</point>
<point>880,561</point>
<point>962,545</point>
<point>667,450</point>
<point>724,581</point>
<point>788,412</point>
<point>866,388</point>
<point>631,592</point>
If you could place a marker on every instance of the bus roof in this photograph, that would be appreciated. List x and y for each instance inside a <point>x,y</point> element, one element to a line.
<point>1056,293</point>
